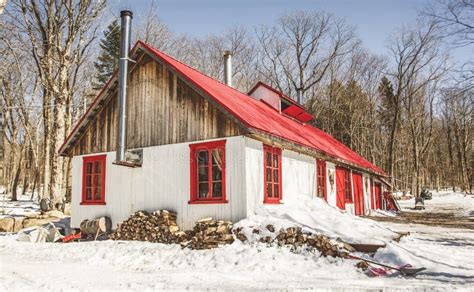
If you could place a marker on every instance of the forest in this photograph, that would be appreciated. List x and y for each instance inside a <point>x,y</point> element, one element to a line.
<point>408,110</point>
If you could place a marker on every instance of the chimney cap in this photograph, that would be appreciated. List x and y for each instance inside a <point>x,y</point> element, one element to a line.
<point>228,53</point>
<point>126,13</point>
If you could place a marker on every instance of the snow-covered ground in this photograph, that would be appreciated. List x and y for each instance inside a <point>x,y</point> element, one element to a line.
<point>22,207</point>
<point>445,252</point>
<point>458,204</point>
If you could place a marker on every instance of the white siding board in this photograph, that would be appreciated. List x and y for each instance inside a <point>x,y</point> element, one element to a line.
<point>298,175</point>
<point>254,173</point>
<point>366,187</point>
<point>162,182</point>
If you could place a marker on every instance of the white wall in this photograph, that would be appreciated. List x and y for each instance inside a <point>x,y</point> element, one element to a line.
<point>366,187</point>
<point>254,173</point>
<point>298,174</point>
<point>270,97</point>
<point>331,183</point>
<point>162,182</point>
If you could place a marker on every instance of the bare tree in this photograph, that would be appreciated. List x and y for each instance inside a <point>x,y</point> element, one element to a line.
<point>420,63</point>
<point>456,17</point>
<point>299,50</point>
<point>58,33</point>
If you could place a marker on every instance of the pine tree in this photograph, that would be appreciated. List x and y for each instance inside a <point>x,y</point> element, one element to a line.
<point>107,61</point>
<point>387,100</point>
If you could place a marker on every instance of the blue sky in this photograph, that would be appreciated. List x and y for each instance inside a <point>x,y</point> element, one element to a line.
<point>374,20</point>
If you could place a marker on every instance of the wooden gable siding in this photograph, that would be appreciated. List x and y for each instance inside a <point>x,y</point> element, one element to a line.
<point>161,109</point>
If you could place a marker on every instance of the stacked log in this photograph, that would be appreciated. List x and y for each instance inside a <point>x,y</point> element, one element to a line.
<point>159,226</point>
<point>209,233</point>
<point>95,229</point>
<point>296,238</point>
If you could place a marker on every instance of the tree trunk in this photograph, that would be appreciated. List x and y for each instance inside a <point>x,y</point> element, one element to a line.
<point>16,179</point>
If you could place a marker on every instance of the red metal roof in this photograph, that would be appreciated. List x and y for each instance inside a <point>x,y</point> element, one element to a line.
<point>257,115</point>
<point>298,113</point>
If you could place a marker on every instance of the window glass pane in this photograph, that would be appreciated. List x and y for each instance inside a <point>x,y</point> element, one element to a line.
<point>88,180</point>
<point>97,193</point>
<point>203,190</point>
<point>203,174</point>
<point>269,159</point>
<point>217,157</point>
<point>217,190</point>
<point>203,158</point>
<point>216,173</point>
<point>89,167</point>
<point>98,167</point>
<point>88,193</point>
<point>269,174</point>
<point>97,179</point>
<point>275,175</point>
<point>275,160</point>
<point>269,190</point>
<point>276,189</point>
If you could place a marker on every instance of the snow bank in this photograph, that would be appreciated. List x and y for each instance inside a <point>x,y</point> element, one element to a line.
<point>116,265</point>
<point>444,252</point>
<point>315,216</point>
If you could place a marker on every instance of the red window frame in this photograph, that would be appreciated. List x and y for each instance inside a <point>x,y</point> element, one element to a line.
<point>92,183</point>
<point>321,190</point>
<point>208,147</point>
<point>269,178</point>
<point>347,186</point>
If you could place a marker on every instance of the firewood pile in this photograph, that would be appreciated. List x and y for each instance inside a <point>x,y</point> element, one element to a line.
<point>209,233</point>
<point>159,226</point>
<point>296,238</point>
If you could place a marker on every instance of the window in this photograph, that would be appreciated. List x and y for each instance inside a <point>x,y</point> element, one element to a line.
<point>321,179</point>
<point>93,180</point>
<point>272,174</point>
<point>347,186</point>
<point>208,172</point>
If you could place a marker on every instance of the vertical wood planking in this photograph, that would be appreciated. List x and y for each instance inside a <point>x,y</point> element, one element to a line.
<point>161,109</point>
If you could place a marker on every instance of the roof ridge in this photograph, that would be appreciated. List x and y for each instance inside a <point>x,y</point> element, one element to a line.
<point>190,67</point>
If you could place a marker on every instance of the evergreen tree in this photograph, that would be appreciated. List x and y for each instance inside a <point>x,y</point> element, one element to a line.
<point>107,61</point>
<point>387,102</point>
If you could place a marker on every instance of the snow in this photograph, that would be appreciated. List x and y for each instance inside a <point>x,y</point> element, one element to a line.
<point>444,202</point>
<point>118,265</point>
<point>23,207</point>
<point>318,217</point>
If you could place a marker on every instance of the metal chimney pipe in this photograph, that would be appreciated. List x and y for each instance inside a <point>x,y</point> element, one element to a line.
<point>299,96</point>
<point>228,68</point>
<point>125,31</point>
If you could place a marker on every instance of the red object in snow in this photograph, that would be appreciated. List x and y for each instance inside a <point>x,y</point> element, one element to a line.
<point>71,237</point>
<point>390,203</point>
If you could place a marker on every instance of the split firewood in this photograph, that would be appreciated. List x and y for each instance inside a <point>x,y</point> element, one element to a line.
<point>296,238</point>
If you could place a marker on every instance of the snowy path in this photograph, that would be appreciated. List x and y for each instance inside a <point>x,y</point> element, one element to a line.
<point>445,252</point>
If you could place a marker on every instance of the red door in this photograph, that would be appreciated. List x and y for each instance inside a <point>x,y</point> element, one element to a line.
<point>340,188</point>
<point>358,193</point>
<point>378,196</point>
